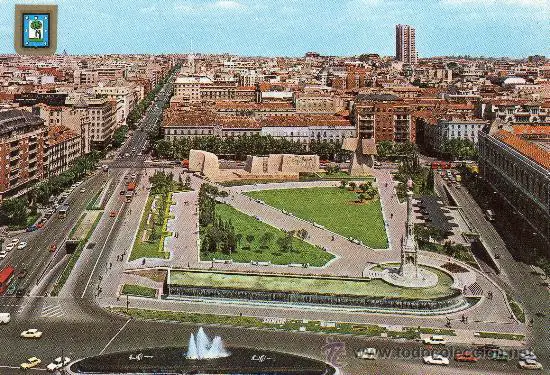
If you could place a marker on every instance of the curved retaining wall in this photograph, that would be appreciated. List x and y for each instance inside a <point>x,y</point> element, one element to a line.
<point>301,298</point>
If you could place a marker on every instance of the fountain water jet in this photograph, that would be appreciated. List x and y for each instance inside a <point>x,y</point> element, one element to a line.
<point>200,347</point>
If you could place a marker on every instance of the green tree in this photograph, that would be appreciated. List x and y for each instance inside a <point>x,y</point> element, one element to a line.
<point>285,242</point>
<point>343,184</point>
<point>352,186</point>
<point>13,212</point>
<point>250,238</point>
<point>265,239</point>
<point>36,25</point>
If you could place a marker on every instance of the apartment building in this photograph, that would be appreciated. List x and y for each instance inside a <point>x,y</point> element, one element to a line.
<point>64,146</point>
<point>125,96</point>
<point>23,146</point>
<point>384,117</point>
<point>436,133</point>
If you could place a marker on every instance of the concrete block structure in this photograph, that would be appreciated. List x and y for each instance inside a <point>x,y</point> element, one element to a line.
<point>204,162</point>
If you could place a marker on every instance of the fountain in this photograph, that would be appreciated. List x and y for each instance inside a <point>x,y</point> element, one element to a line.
<point>200,347</point>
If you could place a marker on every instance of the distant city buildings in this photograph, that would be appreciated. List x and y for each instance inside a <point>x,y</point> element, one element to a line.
<point>405,44</point>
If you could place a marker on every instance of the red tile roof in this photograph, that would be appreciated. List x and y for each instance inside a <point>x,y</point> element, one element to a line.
<point>529,149</point>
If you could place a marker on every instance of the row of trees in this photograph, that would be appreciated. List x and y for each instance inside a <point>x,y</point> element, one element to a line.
<point>459,149</point>
<point>240,147</point>
<point>119,136</point>
<point>16,211</point>
<point>137,112</point>
<point>219,235</point>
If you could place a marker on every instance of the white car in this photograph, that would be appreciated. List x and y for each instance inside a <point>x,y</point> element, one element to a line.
<point>31,362</point>
<point>10,246</point>
<point>3,254</point>
<point>527,354</point>
<point>435,340</point>
<point>367,353</point>
<point>32,333</point>
<point>436,359</point>
<point>82,190</point>
<point>530,364</point>
<point>14,241</point>
<point>22,245</point>
<point>58,363</point>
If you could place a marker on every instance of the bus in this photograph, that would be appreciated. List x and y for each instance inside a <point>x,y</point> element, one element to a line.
<point>441,165</point>
<point>5,277</point>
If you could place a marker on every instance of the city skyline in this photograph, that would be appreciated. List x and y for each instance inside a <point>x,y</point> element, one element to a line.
<point>250,27</point>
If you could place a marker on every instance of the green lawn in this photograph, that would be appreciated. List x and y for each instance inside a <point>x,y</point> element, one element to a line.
<point>335,209</point>
<point>144,248</point>
<point>302,252</point>
<point>317,285</point>
<point>138,290</point>
<point>356,329</point>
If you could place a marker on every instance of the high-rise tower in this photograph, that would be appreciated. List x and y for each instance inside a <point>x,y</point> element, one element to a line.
<point>405,44</point>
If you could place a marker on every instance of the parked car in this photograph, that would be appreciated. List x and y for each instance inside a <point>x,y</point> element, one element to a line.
<point>10,246</point>
<point>436,359</point>
<point>527,354</point>
<point>3,254</point>
<point>435,340</point>
<point>58,363</point>
<point>112,214</point>
<point>466,356</point>
<point>31,228</point>
<point>367,353</point>
<point>32,333</point>
<point>22,245</point>
<point>31,362</point>
<point>499,355</point>
<point>530,364</point>
<point>22,274</point>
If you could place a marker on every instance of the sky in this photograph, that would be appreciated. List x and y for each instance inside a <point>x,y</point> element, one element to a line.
<point>515,28</point>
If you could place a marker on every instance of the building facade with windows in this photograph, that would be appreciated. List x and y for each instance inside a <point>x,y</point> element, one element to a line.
<point>516,162</point>
<point>23,147</point>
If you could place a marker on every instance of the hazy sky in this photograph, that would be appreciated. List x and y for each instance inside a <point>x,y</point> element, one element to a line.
<point>293,27</point>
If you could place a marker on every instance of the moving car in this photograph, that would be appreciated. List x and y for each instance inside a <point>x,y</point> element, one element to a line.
<point>58,363</point>
<point>436,359</point>
<point>32,333</point>
<point>53,248</point>
<point>82,190</point>
<point>31,362</point>
<point>530,364</point>
<point>466,356</point>
<point>112,214</point>
<point>367,353</point>
<point>435,340</point>
<point>22,245</point>
<point>10,246</point>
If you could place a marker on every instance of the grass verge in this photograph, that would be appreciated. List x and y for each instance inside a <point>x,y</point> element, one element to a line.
<point>138,290</point>
<point>149,242</point>
<point>516,309</point>
<point>72,261</point>
<point>500,336</point>
<point>366,330</point>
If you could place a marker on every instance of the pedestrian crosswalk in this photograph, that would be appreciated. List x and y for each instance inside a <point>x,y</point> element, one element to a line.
<point>52,311</point>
